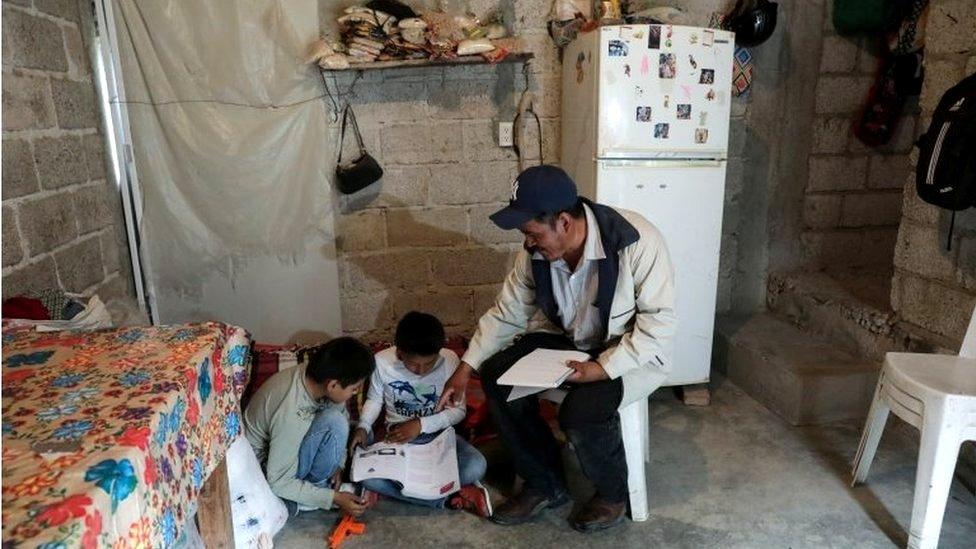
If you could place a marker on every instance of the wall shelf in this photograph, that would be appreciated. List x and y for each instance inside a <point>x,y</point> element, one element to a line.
<point>413,63</point>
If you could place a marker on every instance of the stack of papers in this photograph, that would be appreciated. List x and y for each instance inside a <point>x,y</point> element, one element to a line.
<point>539,370</point>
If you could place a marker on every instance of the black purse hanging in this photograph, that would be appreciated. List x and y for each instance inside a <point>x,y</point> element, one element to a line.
<point>357,174</point>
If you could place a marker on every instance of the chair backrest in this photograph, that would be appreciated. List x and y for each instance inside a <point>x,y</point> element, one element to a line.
<point>968,349</point>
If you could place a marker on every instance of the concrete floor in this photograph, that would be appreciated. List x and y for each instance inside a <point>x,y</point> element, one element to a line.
<point>729,475</point>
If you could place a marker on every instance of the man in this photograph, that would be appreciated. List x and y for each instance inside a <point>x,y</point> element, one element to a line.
<point>590,278</point>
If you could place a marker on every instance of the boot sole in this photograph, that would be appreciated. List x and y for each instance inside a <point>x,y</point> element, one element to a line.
<point>514,521</point>
<point>590,528</point>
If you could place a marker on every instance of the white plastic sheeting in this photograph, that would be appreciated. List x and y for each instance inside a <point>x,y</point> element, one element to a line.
<point>234,154</point>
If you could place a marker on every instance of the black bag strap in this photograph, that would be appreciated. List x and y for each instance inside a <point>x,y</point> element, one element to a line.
<point>348,115</point>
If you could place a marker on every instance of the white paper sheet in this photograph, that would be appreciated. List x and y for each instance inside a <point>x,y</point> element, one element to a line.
<point>539,370</point>
<point>426,471</point>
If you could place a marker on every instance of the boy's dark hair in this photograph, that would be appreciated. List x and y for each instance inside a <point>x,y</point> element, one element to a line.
<point>575,211</point>
<point>343,359</point>
<point>419,334</point>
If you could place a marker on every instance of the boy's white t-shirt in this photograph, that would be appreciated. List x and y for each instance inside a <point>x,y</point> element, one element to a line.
<point>407,395</point>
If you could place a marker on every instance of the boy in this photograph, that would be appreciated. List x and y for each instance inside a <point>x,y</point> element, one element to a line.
<point>409,378</point>
<point>298,426</point>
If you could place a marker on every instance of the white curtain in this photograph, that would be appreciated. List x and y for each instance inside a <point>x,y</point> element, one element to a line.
<point>232,140</point>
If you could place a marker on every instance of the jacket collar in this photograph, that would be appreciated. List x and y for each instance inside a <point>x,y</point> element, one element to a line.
<point>616,233</point>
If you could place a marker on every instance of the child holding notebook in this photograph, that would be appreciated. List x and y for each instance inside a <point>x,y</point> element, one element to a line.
<point>407,383</point>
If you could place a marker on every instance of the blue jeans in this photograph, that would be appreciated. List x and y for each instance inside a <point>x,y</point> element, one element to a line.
<point>471,468</point>
<point>323,450</point>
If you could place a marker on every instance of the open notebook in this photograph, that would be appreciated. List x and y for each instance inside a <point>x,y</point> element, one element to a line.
<point>539,370</point>
<point>426,471</point>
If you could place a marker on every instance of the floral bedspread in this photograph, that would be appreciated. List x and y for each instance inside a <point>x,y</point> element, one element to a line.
<point>109,435</point>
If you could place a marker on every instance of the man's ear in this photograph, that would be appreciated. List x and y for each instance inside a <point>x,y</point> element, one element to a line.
<point>564,221</point>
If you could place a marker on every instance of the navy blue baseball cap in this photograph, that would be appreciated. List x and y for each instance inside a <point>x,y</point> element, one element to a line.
<point>539,190</point>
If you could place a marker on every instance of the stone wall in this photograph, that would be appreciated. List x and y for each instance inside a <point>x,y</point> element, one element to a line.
<point>421,239</point>
<point>62,224</point>
<point>852,203</point>
<point>933,287</point>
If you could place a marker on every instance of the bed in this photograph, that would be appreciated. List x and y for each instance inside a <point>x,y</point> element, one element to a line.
<point>112,437</point>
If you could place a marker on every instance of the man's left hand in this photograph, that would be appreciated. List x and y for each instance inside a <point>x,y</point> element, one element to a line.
<point>404,432</point>
<point>586,372</point>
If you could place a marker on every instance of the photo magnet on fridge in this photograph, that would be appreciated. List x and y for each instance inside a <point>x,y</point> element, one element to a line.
<point>617,48</point>
<point>579,67</point>
<point>654,37</point>
<point>707,76</point>
<point>684,111</point>
<point>701,135</point>
<point>643,114</point>
<point>667,65</point>
<point>708,37</point>
<point>627,71</point>
<point>661,130</point>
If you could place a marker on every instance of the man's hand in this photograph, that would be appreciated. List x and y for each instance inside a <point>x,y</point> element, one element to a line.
<point>402,433</point>
<point>358,438</point>
<point>586,372</point>
<point>455,387</point>
<point>348,503</point>
<point>336,479</point>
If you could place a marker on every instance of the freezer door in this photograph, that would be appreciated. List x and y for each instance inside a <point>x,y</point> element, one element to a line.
<point>664,91</point>
<point>684,200</point>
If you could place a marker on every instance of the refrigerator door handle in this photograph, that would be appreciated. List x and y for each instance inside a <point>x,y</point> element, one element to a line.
<point>684,163</point>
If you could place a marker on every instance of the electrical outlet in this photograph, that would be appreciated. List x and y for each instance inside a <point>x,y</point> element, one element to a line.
<point>505,137</point>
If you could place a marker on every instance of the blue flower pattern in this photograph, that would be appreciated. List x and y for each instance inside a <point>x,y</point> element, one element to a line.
<point>134,377</point>
<point>67,380</point>
<point>232,425</point>
<point>28,359</point>
<point>237,356</point>
<point>72,430</point>
<point>117,478</point>
<point>203,383</point>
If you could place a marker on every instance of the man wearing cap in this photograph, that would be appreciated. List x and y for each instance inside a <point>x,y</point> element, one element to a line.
<point>591,278</point>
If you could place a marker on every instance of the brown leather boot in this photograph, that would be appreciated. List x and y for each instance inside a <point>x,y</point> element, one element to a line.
<point>598,514</point>
<point>525,506</point>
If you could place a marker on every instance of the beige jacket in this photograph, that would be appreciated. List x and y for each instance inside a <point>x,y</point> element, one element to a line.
<point>641,318</point>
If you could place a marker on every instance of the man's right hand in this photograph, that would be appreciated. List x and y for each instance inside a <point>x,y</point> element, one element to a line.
<point>359,438</point>
<point>348,503</point>
<point>455,387</point>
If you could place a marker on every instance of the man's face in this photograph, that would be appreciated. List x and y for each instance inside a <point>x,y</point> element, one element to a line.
<point>549,241</point>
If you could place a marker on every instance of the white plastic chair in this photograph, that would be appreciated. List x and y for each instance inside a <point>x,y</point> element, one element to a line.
<point>937,395</point>
<point>635,430</point>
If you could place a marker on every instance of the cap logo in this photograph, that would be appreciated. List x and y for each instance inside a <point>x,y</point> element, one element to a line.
<point>515,187</point>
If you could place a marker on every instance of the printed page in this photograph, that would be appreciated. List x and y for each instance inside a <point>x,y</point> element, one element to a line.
<point>545,368</point>
<point>432,468</point>
<point>380,460</point>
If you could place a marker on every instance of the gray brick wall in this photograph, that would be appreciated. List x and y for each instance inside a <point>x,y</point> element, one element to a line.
<point>933,287</point>
<point>852,204</point>
<point>62,224</point>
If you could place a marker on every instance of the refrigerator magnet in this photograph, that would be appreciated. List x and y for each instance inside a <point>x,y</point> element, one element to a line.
<point>684,111</point>
<point>627,70</point>
<point>654,37</point>
<point>667,101</point>
<point>707,76</point>
<point>701,135</point>
<point>693,38</point>
<point>579,67</point>
<point>667,65</point>
<point>645,66</point>
<point>617,48</point>
<point>707,38</point>
<point>661,130</point>
<point>639,91</point>
<point>643,114</point>
<point>710,95</point>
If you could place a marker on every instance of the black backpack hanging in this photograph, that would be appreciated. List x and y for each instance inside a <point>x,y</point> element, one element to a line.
<point>357,174</point>
<point>946,171</point>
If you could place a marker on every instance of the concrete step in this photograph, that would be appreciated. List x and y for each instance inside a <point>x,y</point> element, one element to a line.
<point>805,378</point>
<point>850,309</point>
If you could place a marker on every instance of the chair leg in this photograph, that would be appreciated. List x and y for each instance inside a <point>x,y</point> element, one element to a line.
<point>873,427</point>
<point>630,427</point>
<point>936,463</point>
<point>645,423</point>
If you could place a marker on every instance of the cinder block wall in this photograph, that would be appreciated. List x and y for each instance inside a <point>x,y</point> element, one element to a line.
<point>62,224</point>
<point>852,203</point>
<point>421,238</point>
<point>932,287</point>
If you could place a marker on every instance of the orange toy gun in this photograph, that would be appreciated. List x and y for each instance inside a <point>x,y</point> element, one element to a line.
<point>348,526</point>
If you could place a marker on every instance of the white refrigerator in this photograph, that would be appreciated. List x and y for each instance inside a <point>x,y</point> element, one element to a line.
<point>645,123</point>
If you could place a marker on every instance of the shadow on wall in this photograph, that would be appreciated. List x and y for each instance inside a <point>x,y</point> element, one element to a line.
<point>430,264</point>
